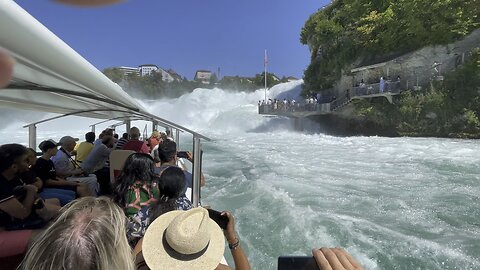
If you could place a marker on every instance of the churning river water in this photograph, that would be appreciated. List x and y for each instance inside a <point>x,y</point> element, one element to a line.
<point>394,203</point>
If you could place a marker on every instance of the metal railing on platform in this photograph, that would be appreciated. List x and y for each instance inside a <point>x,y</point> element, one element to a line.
<point>334,103</point>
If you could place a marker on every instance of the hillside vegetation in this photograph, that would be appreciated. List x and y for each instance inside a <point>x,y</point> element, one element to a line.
<point>348,30</point>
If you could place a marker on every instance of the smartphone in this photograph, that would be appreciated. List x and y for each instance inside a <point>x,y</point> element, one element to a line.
<point>222,221</point>
<point>182,154</point>
<point>297,263</point>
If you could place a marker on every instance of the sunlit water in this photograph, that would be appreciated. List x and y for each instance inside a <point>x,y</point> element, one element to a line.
<point>394,203</point>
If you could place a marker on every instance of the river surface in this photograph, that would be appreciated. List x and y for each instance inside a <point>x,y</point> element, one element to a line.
<point>394,203</point>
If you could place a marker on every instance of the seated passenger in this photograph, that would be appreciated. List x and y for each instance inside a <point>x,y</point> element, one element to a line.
<point>89,234</point>
<point>137,185</point>
<point>171,185</point>
<point>121,142</point>
<point>30,177</point>
<point>45,170</point>
<point>154,140</point>
<point>20,207</point>
<point>68,169</point>
<point>84,148</point>
<point>166,245</point>
<point>135,144</point>
<point>96,163</point>
<point>167,153</point>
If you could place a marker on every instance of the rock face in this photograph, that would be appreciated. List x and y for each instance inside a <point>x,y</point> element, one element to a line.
<point>417,68</point>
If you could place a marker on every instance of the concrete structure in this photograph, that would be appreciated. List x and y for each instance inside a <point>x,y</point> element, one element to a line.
<point>415,69</point>
<point>147,69</point>
<point>129,70</point>
<point>203,76</point>
<point>169,75</point>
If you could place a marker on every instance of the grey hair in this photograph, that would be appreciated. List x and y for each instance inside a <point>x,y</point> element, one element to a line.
<point>89,234</point>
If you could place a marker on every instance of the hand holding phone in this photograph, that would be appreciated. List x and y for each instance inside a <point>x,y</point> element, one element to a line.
<point>221,220</point>
<point>182,154</point>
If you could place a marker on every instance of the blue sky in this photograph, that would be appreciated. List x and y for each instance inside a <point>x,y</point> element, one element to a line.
<point>185,35</point>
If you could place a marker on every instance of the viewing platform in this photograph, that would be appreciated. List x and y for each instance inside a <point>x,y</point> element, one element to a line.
<point>299,110</point>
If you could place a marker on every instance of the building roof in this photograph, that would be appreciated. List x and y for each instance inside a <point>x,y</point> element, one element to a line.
<point>148,65</point>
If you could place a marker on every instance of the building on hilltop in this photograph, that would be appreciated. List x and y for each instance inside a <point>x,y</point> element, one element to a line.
<point>147,69</point>
<point>166,76</point>
<point>175,75</point>
<point>203,76</point>
<point>128,70</point>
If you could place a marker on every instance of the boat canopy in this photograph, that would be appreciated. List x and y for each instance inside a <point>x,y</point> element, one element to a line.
<point>50,76</point>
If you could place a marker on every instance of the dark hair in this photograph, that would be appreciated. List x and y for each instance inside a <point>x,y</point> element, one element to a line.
<point>9,154</point>
<point>125,135</point>
<point>90,137</point>
<point>138,166</point>
<point>115,135</point>
<point>172,186</point>
<point>167,150</point>
<point>106,139</point>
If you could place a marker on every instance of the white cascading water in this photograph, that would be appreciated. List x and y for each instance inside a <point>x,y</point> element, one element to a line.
<point>394,203</point>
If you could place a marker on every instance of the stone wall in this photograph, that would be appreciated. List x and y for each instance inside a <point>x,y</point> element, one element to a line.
<point>413,68</point>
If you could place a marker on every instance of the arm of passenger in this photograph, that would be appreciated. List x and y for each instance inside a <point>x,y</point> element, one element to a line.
<point>138,248</point>
<point>38,183</point>
<point>202,177</point>
<point>239,257</point>
<point>60,182</point>
<point>202,180</point>
<point>17,209</point>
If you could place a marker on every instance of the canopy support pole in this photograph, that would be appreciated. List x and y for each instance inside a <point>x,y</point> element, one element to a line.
<point>128,126</point>
<point>197,170</point>
<point>177,138</point>
<point>32,136</point>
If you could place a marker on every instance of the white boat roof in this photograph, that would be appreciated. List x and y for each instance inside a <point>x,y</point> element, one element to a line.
<point>50,76</point>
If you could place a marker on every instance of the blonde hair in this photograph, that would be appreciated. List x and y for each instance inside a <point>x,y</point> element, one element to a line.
<point>155,134</point>
<point>90,234</point>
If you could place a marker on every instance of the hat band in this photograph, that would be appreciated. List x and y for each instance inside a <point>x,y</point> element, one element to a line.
<point>180,256</point>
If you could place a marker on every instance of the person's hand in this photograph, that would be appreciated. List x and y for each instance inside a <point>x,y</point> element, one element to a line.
<point>31,188</point>
<point>88,2</point>
<point>229,232</point>
<point>6,68</point>
<point>190,156</point>
<point>335,259</point>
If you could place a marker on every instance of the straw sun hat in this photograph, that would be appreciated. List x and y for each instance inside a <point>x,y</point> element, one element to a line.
<point>183,240</point>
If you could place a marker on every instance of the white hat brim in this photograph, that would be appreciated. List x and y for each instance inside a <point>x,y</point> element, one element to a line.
<point>159,256</point>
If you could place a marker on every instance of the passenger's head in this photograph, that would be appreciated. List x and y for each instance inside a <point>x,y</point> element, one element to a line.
<point>88,235</point>
<point>125,135</point>
<point>172,182</point>
<point>168,245</point>
<point>167,151</point>
<point>31,156</point>
<point>137,167</point>
<point>68,143</point>
<point>48,147</point>
<point>109,141</point>
<point>115,136</point>
<point>13,158</point>
<point>155,134</point>
<point>134,133</point>
<point>172,185</point>
<point>90,137</point>
<point>108,132</point>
